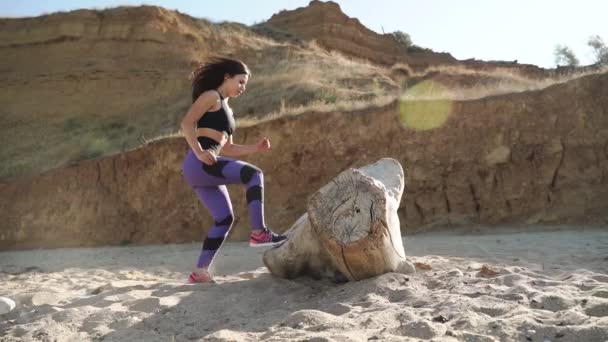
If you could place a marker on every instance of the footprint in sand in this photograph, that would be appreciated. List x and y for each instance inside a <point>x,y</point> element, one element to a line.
<point>147,305</point>
<point>400,295</point>
<point>597,310</point>
<point>514,297</point>
<point>314,320</point>
<point>600,278</point>
<point>551,302</point>
<point>41,298</point>
<point>600,293</point>
<point>337,309</point>
<point>421,329</point>
<point>493,307</point>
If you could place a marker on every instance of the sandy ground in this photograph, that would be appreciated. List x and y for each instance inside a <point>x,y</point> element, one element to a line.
<point>536,286</point>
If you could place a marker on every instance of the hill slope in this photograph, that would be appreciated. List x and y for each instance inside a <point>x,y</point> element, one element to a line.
<point>531,157</point>
<point>84,84</point>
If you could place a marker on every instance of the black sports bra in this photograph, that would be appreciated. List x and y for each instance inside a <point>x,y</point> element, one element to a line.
<point>220,120</point>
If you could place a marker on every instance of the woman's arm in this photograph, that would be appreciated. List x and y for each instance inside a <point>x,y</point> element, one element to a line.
<point>188,125</point>
<point>236,150</point>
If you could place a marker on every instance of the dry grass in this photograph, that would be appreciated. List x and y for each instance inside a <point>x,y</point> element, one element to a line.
<point>449,83</point>
<point>318,107</point>
<point>290,77</point>
<point>321,79</point>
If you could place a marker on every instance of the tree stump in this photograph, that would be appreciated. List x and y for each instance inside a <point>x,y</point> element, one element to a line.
<point>351,231</point>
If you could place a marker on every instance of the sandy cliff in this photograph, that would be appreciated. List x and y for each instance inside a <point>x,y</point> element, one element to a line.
<point>537,156</point>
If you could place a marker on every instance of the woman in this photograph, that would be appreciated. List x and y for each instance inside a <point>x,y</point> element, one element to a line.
<point>208,127</point>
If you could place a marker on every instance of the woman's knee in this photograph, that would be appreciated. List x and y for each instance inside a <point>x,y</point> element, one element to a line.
<point>226,221</point>
<point>251,173</point>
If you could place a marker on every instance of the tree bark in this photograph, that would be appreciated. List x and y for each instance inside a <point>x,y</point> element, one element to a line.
<point>351,231</point>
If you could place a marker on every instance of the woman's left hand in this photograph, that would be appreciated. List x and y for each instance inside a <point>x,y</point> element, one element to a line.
<point>263,145</point>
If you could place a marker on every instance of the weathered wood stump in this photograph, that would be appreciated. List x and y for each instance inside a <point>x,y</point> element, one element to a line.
<point>351,231</point>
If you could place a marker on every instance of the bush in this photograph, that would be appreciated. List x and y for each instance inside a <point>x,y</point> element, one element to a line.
<point>564,56</point>
<point>403,38</point>
<point>599,49</point>
<point>71,125</point>
<point>95,148</point>
<point>276,33</point>
<point>327,96</point>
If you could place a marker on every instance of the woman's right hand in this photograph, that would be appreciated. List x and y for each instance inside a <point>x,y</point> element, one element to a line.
<point>207,157</point>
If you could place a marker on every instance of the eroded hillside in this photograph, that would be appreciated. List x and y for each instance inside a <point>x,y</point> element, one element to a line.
<point>531,157</point>
<point>87,84</point>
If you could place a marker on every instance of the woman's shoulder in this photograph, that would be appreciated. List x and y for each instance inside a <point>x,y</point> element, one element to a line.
<point>211,94</point>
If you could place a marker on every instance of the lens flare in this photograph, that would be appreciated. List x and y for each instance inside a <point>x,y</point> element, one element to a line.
<point>425,106</point>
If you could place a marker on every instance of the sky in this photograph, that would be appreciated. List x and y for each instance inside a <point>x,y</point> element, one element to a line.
<point>522,30</point>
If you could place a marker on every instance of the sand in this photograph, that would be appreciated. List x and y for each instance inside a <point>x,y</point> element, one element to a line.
<point>507,286</point>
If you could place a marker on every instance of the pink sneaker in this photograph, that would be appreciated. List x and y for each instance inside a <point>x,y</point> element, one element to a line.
<point>265,238</point>
<point>200,278</point>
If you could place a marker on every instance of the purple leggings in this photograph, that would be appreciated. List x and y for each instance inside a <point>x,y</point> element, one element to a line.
<point>209,183</point>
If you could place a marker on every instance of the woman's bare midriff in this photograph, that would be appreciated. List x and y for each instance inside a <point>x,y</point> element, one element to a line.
<point>216,135</point>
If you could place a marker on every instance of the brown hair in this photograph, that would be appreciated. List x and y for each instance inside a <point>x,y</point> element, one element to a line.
<point>210,75</point>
